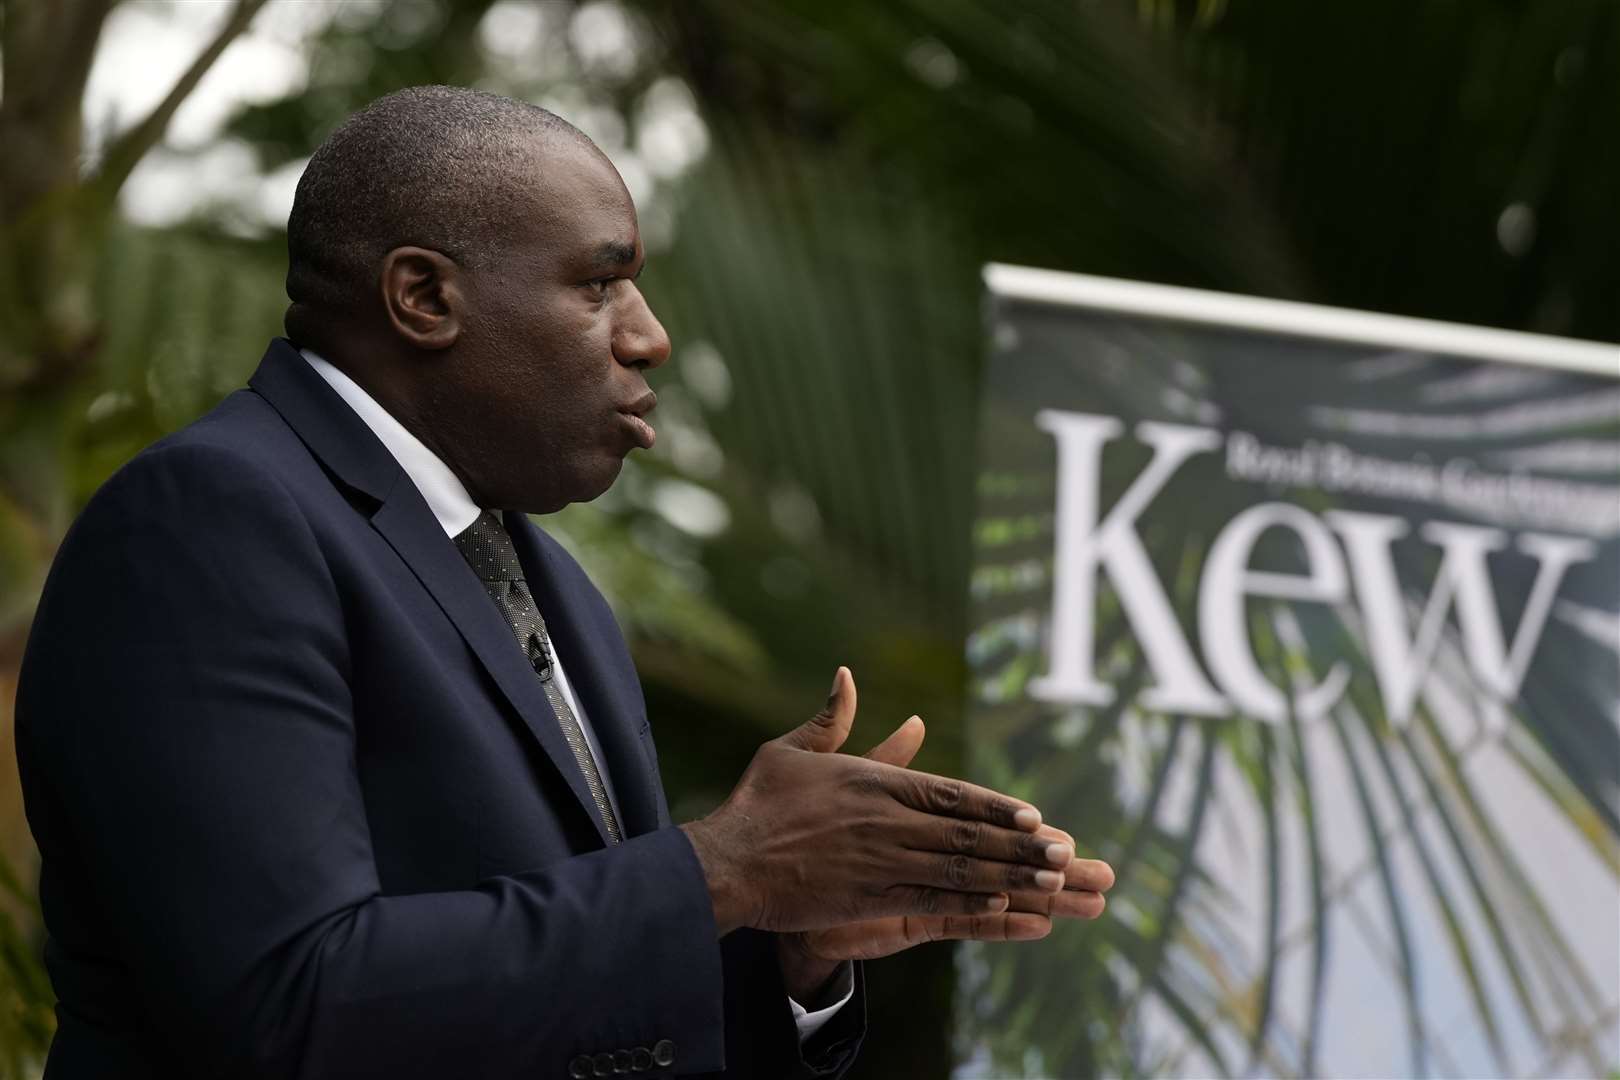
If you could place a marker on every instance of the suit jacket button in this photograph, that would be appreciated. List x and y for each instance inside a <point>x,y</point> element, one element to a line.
<point>603,1063</point>
<point>580,1067</point>
<point>621,1061</point>
<point>663,1053</point>
<point>640,1059</point>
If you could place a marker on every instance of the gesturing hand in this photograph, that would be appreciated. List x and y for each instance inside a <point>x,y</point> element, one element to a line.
<point>808,957</point>
<point>811,839</point>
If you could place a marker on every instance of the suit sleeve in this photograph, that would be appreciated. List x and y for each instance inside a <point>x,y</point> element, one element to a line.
<point>186,687</point>
<point>761,1037</point>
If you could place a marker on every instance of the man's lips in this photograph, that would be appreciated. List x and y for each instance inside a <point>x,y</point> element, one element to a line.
<point>635,416</point>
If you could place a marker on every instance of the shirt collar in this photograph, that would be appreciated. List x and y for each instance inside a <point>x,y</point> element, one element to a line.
<point>445,494</point>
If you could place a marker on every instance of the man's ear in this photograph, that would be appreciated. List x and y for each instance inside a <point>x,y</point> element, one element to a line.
<point>422,296</point>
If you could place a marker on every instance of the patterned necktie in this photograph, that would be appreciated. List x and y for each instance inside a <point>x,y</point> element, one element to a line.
<point>486,545</point>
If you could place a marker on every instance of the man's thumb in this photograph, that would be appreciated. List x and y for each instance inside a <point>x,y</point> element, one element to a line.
<point>826,731</point>
<point>901,746</point>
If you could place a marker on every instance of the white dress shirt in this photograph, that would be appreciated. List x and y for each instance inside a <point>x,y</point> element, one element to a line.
<point>455,510</point>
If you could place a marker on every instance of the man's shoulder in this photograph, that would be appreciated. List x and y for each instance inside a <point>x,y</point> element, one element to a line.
<point>239,454</point>
<point>242,430</point>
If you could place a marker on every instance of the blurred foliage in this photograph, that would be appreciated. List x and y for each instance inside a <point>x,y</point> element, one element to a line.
<point>811,499</point>
<point>28,1019</point>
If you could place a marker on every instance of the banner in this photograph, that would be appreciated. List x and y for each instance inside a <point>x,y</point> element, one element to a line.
<point>1308,621</point>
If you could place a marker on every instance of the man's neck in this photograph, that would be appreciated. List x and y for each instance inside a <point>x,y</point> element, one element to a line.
<point>446,495</point>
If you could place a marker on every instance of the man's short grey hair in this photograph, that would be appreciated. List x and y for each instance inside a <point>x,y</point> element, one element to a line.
<point>440,167</point>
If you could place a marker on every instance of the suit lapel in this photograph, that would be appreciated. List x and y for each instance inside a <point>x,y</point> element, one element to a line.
<point>347,447</point>
<point>607,690</point>
<point>411,529</point>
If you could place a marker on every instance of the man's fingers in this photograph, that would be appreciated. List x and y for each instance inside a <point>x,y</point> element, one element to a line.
<point>1055,834</point>
<point>947,797</point>
<point>871,939</point>
<point>962,836</point>
<point>901,746</point>
<point>1090,875</point>
<point>920,900</point>
<point>1078,904</point>
<point>1068,904</point>
<point>826,731</point>
<point>964,873</point>
<point>1010,926</point>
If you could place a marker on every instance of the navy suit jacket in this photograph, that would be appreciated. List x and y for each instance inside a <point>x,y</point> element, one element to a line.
<point>304,809</point>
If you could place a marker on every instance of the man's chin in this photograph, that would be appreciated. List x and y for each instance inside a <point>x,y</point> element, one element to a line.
<point>584,486</point>
<point>603,480</point>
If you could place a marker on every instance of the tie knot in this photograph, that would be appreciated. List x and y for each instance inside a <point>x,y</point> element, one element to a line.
<point>487,547</point>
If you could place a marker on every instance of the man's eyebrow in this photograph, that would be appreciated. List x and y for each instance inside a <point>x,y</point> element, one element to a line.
<point>615,253</point>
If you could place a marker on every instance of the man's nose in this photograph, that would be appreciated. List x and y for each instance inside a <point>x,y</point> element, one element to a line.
<point>640,340</point>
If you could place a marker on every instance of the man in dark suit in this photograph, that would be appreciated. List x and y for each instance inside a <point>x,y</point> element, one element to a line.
<point>339,766</point>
